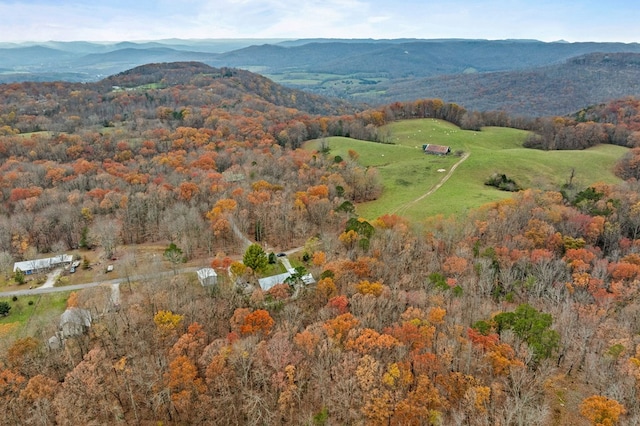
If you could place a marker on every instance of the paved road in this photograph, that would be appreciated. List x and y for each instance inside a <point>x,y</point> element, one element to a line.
<point>47,290</point>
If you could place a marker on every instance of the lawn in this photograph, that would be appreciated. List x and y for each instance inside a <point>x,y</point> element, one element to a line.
<point>30,313</point>
<point>407,173</point>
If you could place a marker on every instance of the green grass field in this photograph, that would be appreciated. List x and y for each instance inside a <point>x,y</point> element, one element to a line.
<point>407,173</point>
<point>43,312</point>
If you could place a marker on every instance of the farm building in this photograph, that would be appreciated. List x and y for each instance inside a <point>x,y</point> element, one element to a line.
<point>207,277</point>
<point>42,265</point>
<point>436,149</point>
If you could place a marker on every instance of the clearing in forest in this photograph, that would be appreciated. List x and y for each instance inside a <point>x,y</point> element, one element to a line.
<point>408,174</point>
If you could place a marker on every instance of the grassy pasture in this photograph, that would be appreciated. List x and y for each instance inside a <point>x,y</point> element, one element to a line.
<point>407,173</point>
<point>43,313</point>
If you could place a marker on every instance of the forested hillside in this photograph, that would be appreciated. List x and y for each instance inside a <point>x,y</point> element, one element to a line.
<point>523,77</point>
<point>524,312</point>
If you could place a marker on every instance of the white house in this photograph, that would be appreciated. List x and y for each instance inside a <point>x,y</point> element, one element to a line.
<point>42,265</point>
<point>267,282</point>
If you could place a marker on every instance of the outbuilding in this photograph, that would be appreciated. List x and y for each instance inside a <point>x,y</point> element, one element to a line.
<point>432,149</point>
<point>207,277</point>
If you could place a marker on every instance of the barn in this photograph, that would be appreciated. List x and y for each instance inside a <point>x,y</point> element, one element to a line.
<point>436,149</point>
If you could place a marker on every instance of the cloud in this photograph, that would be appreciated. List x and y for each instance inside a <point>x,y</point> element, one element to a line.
<point>148,19</point>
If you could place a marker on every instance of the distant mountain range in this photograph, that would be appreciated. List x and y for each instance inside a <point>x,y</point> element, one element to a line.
<point>525,77</point>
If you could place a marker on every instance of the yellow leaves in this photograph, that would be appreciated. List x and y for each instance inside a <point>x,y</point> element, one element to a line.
<point>238,269</point>
<point>348,238</point>
<point>601,411</point>
<point>166,321</point>
<point>391,377</point>
<point>397,375</point>
<point>222,206</point>
<point>87,216</point>
<point>366,287</point>
<point>326,288</point>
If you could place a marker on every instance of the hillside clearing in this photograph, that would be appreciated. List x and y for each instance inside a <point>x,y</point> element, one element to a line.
<point>407,173</point>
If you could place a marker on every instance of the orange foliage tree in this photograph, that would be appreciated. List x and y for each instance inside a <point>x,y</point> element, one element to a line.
<point>257,322</point>
<point>601,411</point>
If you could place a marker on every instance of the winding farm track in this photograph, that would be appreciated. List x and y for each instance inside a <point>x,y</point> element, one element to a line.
<point>437,186</point>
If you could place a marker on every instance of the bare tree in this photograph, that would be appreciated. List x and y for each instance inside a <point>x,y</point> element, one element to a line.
<point>106,232</point>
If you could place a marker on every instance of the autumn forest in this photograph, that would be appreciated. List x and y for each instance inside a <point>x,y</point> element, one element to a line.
<point>522,312</point>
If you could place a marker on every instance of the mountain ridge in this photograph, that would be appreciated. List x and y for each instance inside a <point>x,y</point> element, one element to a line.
<point>360,70</point>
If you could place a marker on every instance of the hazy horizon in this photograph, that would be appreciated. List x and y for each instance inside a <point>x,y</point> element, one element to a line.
<point>145,20</point>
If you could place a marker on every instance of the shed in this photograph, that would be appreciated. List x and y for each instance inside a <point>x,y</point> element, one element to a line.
<point>74,321</point>
<point>436,149</point>
<point>207,277</point>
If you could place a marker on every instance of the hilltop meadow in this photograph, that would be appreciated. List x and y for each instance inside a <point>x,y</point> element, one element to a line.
<point>407,173</point>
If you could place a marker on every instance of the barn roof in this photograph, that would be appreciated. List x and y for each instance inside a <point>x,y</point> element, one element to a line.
<point>436,149</point>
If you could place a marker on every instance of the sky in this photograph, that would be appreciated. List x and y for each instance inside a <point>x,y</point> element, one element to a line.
<point>137,20</point>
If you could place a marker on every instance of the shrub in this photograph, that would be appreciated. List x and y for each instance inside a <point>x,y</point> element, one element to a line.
<point>4,308</point>
<point>502,182</point>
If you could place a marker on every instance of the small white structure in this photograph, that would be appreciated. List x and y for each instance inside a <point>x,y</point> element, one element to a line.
<point>207,277</point>
<point>74,321</point>
<point>41,265</point>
